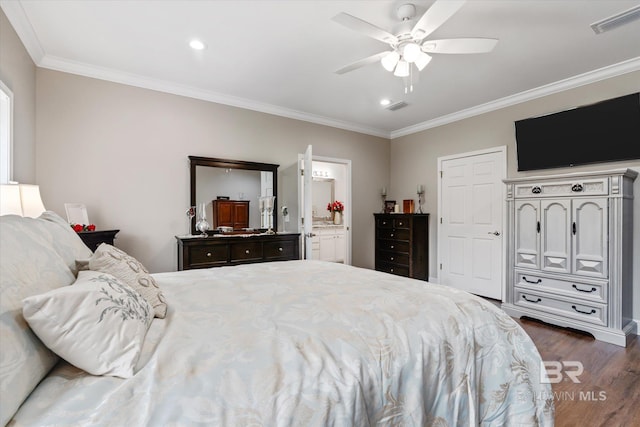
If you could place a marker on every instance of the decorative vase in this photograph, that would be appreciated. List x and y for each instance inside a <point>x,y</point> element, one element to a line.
<point>337,218</point>
<point>202,225</point>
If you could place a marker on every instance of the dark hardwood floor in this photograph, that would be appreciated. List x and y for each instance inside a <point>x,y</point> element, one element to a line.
<point>609,390</point>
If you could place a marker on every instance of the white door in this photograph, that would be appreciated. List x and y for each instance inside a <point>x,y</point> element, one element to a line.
<point>307,204</point>
<point>470,247</point>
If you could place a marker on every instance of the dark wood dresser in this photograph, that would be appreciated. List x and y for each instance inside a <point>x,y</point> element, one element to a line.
<point>216,251</point>
<point>402,244</point>
<point>93,238</point>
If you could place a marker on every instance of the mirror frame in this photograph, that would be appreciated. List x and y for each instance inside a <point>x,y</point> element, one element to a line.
<point>231,164</point>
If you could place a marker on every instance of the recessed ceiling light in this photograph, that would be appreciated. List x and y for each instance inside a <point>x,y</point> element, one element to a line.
<point>385,101</point>
<point>196,44</point>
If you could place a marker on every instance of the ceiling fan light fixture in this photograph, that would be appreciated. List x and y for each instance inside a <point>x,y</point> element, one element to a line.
<point>402,69</point>
<point>422,61</point>
<point>390,61</point>
<point>411,52</point>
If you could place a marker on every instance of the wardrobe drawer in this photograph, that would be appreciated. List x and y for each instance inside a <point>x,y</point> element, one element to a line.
<point>399,222</point>
<point>393,257</point>
<point>393,245</point>
<point>208,254</point>
<point>246,251</point>
<point>578,310</point>
<point>393,233</point>
<point>392,268</point>
<point>592,290</point>
<point>577,187</point>
<point>283,249</point>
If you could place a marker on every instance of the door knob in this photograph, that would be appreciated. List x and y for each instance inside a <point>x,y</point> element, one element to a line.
<point>495,233</point>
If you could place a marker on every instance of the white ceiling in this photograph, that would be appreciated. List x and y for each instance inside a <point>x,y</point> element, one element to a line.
<point>280,56</point>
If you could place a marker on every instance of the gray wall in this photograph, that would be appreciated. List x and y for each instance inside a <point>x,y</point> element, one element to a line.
<point>414,157</point>
<point>123,150</point>
<point>18,73</point>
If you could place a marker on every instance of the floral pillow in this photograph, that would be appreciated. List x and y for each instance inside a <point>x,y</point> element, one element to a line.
<point>98,324</point>
<point>111,260</point>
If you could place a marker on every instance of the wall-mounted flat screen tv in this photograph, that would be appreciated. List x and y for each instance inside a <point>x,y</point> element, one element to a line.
<point>606,131</point>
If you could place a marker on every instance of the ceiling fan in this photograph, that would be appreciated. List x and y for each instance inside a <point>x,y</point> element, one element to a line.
<point>408,45</point>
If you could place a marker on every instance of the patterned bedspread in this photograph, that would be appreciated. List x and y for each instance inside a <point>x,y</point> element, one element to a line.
<point>310,343</point>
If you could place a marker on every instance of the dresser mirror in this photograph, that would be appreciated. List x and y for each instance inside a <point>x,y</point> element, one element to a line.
<point>323,194</point>
<point>241,183</point>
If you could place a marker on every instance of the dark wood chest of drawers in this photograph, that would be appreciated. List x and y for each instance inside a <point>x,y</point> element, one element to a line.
<point>212,251</point>
<point>402,244</point>
<point>230,213</point>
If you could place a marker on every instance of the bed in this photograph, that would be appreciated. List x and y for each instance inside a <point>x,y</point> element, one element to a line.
<point>291,343</point>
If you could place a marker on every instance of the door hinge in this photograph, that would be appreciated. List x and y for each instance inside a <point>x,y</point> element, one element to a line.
<point>440,174</point>
<point>440,266</point>
<point>440,220</point>
<point>302,172</point>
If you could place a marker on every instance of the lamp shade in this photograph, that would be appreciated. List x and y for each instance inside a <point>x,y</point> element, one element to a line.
<point>21,199</point>
<point>402,69</point>
<point>32,205</point>
<point>422,61</point>
<point>10,199</point>
<point>389,61</point>
<point>411,52</point>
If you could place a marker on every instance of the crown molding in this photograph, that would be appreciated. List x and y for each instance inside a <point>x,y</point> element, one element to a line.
<point>18,18</point>
<point>610,71</point>
<point>101,73</point>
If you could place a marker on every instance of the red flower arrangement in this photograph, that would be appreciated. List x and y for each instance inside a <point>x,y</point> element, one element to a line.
<point>336,206</point>
<point>83,227</point>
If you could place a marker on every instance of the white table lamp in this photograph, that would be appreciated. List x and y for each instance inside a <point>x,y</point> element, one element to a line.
<point>21,199</point>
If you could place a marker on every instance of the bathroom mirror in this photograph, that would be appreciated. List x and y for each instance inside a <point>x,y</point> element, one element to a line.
<point>233,180</point>
<point>323,194</point>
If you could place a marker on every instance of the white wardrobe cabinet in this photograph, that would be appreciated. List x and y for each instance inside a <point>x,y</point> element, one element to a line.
<point>562,235</point>
<point>569,251</point>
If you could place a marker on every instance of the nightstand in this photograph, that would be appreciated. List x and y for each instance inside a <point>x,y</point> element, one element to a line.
<point>93,238</point>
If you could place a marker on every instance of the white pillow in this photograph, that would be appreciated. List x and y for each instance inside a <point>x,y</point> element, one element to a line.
<point>111,260</point>
<point>98,324</point>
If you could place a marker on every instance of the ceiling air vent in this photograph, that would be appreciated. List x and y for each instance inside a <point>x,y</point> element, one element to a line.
<point>616,20</point>
<point>397,106</point>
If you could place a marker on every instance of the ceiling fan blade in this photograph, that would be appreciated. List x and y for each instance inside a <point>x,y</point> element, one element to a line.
<point>462,45</point>
<point>435,16</point>
<point>361,63</point>
<point>357,24</point>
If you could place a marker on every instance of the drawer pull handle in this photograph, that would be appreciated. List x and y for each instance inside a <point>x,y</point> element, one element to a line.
<point>384,222</point>
<point>280,249</point>
<point>531,281</point>
<point>582,290</point>
<point>391,234</point>
<point>593,311</point>
<point>536,190</point>
<point>391,270</point>
<point>577,188</point>
<point>400,223</point>
<point>209,254</point>
<point>391,258</point>
<point>530,300</point>
<point>247,251</point>
<point>392,246</point>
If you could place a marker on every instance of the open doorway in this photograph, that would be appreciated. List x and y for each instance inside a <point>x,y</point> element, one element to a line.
<point>325,234</point>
